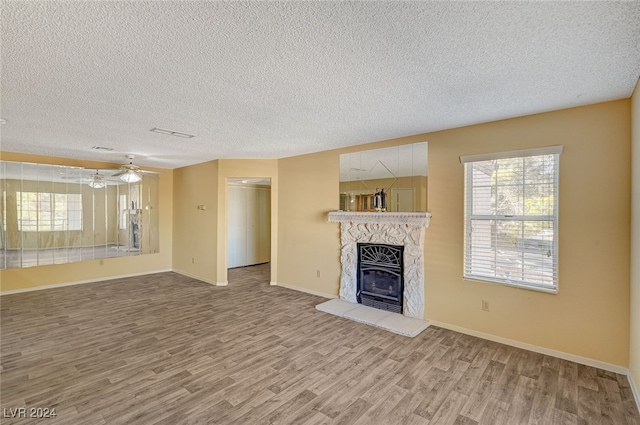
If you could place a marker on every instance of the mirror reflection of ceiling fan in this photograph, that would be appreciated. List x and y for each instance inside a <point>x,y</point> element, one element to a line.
<point>128,173</point>
<point>131,173</point>
<point>97,180</point>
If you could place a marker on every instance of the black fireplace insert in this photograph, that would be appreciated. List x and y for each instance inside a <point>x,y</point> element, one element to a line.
<point>380,276</point>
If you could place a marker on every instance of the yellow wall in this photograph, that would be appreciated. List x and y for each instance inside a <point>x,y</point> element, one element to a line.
<point>309,189</point>
<point>194,230</point>
<point>590,315</point>
<point>200,236</point>
<point>634,355</point>
<point>31,277</point>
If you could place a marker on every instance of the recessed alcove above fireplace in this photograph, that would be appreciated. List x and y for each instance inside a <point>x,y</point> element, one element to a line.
<point>405,230</point>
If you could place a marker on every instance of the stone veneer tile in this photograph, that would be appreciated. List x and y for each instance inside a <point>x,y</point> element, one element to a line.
<point>402,229</point>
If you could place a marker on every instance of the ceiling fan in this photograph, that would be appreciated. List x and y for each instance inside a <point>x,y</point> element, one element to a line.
<point>131,173</point>
<point>97,180</point>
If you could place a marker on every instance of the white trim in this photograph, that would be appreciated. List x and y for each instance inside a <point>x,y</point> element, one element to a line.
<point>419,219</point>
<point>306,291</point>
<point>510,284</point>
<point>202,279</point>
<point>549,150</point>
<point>272,283</point>
<point>79,282</point>
<point>193,276</point>
<point>634,389</point>
<point>536,349</point>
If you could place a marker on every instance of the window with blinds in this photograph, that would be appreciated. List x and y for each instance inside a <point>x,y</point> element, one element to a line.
<point>511,218</point>
<point>47,212</point>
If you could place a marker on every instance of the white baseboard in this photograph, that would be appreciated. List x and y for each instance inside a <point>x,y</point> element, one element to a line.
<point>535,348</point>
<point>79,282</point>
<point>634,389</point>
<point>209,281</point>
<point>305,290</point>
<point>187,274</point>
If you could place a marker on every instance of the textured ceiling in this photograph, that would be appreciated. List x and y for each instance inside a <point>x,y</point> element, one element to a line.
<point>272,80</point>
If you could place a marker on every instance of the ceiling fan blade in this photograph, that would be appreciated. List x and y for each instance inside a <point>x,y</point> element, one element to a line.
<point>119,173</point>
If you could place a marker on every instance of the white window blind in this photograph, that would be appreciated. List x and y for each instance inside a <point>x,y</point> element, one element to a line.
<point>511,218</point>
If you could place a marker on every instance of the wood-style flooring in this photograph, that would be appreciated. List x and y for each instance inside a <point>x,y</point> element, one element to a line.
<point>168,349</point>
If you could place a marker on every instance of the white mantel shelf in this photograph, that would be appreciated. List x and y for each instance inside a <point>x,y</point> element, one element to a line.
<point>420,219</point>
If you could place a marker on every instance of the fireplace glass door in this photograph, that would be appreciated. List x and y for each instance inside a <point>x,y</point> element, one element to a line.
<point>380,276</point>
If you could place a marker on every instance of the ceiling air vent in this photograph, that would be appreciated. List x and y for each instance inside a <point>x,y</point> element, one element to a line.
<point>172,133</point>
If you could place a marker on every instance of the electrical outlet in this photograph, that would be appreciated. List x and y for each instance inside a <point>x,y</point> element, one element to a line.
<point>318,273</point>
<point>485,305</point>
<point>193,260</point>
<point>101,262</point>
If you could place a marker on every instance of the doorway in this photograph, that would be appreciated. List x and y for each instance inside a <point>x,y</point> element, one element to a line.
<point>249,222</point>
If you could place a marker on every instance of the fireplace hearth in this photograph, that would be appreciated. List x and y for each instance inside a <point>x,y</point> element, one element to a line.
<point>380,276</point>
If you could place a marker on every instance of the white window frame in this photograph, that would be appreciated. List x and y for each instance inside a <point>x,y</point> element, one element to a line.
<point>124,211</point>
<point>489,271</point>
<point>37,211</point>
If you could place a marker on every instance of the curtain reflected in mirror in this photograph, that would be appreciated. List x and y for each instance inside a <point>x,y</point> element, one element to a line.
<point>390,179</point>
<point>54,214</point>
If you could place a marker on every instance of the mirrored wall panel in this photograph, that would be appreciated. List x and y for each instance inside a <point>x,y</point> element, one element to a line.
<point>54,214</point>
<point>388,179</point>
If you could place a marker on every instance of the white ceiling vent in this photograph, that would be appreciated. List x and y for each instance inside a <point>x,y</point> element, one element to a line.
<point>172,133</point>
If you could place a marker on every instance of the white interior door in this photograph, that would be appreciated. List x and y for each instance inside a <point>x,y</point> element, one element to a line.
<point>402,199</point>
<point>249,226</point>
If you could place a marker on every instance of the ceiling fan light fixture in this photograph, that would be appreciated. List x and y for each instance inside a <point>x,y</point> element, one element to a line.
<point>97,184</point>
<point>130,177</point>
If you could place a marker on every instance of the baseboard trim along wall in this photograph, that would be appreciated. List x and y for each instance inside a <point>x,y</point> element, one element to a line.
<point>536,349</point>
<point>634,389</point>
<point>187,274</point>
<point>518,344</point>
<point>306,291</point>
<point>209,281</point>
<point>79,282</point>
<point>530,347</point>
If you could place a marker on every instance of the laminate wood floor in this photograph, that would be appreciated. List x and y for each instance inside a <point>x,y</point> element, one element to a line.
<point>168,349</point>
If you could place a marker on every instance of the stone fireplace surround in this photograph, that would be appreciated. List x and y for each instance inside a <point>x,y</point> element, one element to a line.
<point>391,228</point>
